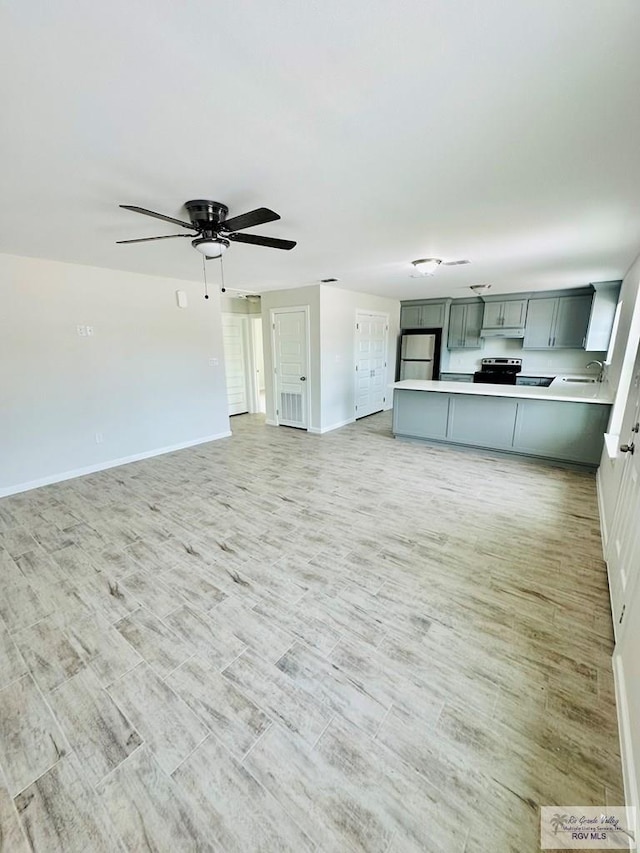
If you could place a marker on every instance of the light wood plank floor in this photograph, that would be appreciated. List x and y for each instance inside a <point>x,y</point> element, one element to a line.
<point>289,642</point>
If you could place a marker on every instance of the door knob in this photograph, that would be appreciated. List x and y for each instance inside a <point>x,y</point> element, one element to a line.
<point>303,379</point>
<point>628,448</point>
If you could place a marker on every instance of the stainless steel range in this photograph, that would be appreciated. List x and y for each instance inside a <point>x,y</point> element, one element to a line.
<point>498,371</point>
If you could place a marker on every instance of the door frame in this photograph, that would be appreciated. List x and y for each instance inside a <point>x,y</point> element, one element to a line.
<point>289,309</point>
<point>385,317</point>
<point>253,320</point>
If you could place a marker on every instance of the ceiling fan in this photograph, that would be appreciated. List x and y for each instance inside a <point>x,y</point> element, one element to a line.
<point>215,231</point>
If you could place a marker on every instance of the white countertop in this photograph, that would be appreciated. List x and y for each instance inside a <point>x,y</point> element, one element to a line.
<point>596,392</point>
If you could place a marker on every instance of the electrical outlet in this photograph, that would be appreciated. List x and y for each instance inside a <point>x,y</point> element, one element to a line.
<point>89,331</point>
<point>82,331</point>
<point>214,362</point>
<point>99,438</point>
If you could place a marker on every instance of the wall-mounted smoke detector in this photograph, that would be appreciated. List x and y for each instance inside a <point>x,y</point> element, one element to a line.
<point>428,266</point>
<point>480,288</point>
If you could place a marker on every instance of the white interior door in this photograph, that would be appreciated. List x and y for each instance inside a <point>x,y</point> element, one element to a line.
<point>289,328</point>
<point>371,362</point>
<point>623,544</point>
<point>233,338</point>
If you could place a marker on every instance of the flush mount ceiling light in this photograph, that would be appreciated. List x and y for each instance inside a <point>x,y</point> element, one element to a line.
<point>211,247</point>
<point>428,266</point>
<point>425,266</point>
<point>480,288</point>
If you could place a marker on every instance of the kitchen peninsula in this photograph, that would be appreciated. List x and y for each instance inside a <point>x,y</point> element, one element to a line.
<point>564,422</point>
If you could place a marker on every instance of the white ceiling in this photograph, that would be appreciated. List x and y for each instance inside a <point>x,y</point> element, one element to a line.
<point>506,133</point>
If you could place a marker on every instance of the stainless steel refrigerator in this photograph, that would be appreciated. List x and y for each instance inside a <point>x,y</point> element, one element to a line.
<point>417,356</point>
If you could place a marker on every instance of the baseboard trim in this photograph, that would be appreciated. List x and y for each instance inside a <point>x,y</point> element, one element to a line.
<point>316,431</point>
<point>624,726</point>
<point>269,422</point>
<point>103,466</point>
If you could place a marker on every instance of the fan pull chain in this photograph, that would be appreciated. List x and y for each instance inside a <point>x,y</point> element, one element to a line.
<point>204,273</point>
<point>222,274</point>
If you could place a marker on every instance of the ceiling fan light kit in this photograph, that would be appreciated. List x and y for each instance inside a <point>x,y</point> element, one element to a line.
<point>211,247</point>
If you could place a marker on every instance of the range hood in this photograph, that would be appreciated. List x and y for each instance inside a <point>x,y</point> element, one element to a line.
<point>503,332</point>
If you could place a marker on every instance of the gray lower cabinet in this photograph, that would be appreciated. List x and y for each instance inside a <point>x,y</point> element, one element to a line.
<point>562,431</point>
<point>557,323</point>
<point>483,421</point>
<point>559,430</point>
<point>413,418</point>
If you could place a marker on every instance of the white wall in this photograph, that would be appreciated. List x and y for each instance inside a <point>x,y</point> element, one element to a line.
<point>294,298</point>
<point>337,344</point>
<point>546,361</point>
<point>143,380</point>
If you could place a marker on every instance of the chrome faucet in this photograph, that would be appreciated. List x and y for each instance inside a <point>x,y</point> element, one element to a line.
<point>600,369</point>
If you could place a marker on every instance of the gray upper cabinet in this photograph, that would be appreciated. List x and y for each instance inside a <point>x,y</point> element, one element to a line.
<point>559,322</point>
<point>509,313</point>
<point>410,316</point>
<point>428,315</point>
<point>465,321</point>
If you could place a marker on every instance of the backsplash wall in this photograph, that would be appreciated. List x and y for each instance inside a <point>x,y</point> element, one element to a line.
<point>533,361</point>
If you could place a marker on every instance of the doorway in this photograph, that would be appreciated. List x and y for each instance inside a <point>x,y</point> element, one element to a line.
<point>371,343</point>
<point>290,337</point>
<point>235,359</point>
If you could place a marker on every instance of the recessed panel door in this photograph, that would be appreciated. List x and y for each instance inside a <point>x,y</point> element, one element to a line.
<point>235,363</point>
<point>623,541</point>
<point>290,365</point>
<point>371,363</point>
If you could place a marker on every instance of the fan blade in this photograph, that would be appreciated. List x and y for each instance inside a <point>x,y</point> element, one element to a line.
<point>146,239</point>
<point>158,216</point>
<point>248,220</point>
<point>258,240</point>
<point>454,263</point>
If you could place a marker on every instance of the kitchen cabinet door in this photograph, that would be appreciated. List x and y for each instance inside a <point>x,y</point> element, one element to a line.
<point>457,318</point>
<point>420,414</point>
<point>482,421</point>
<point>572,321</point>
<point>410,316</point>
<point>514,312</point>
<point>510,313</point>
<point>492,315</point>
<point>464,326</point>
<point>557,323</point>
<point>472,326</point>
<point>561,430</point>
<point>538,332</point>
<point>429,315</point>
<point>432,315</point>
